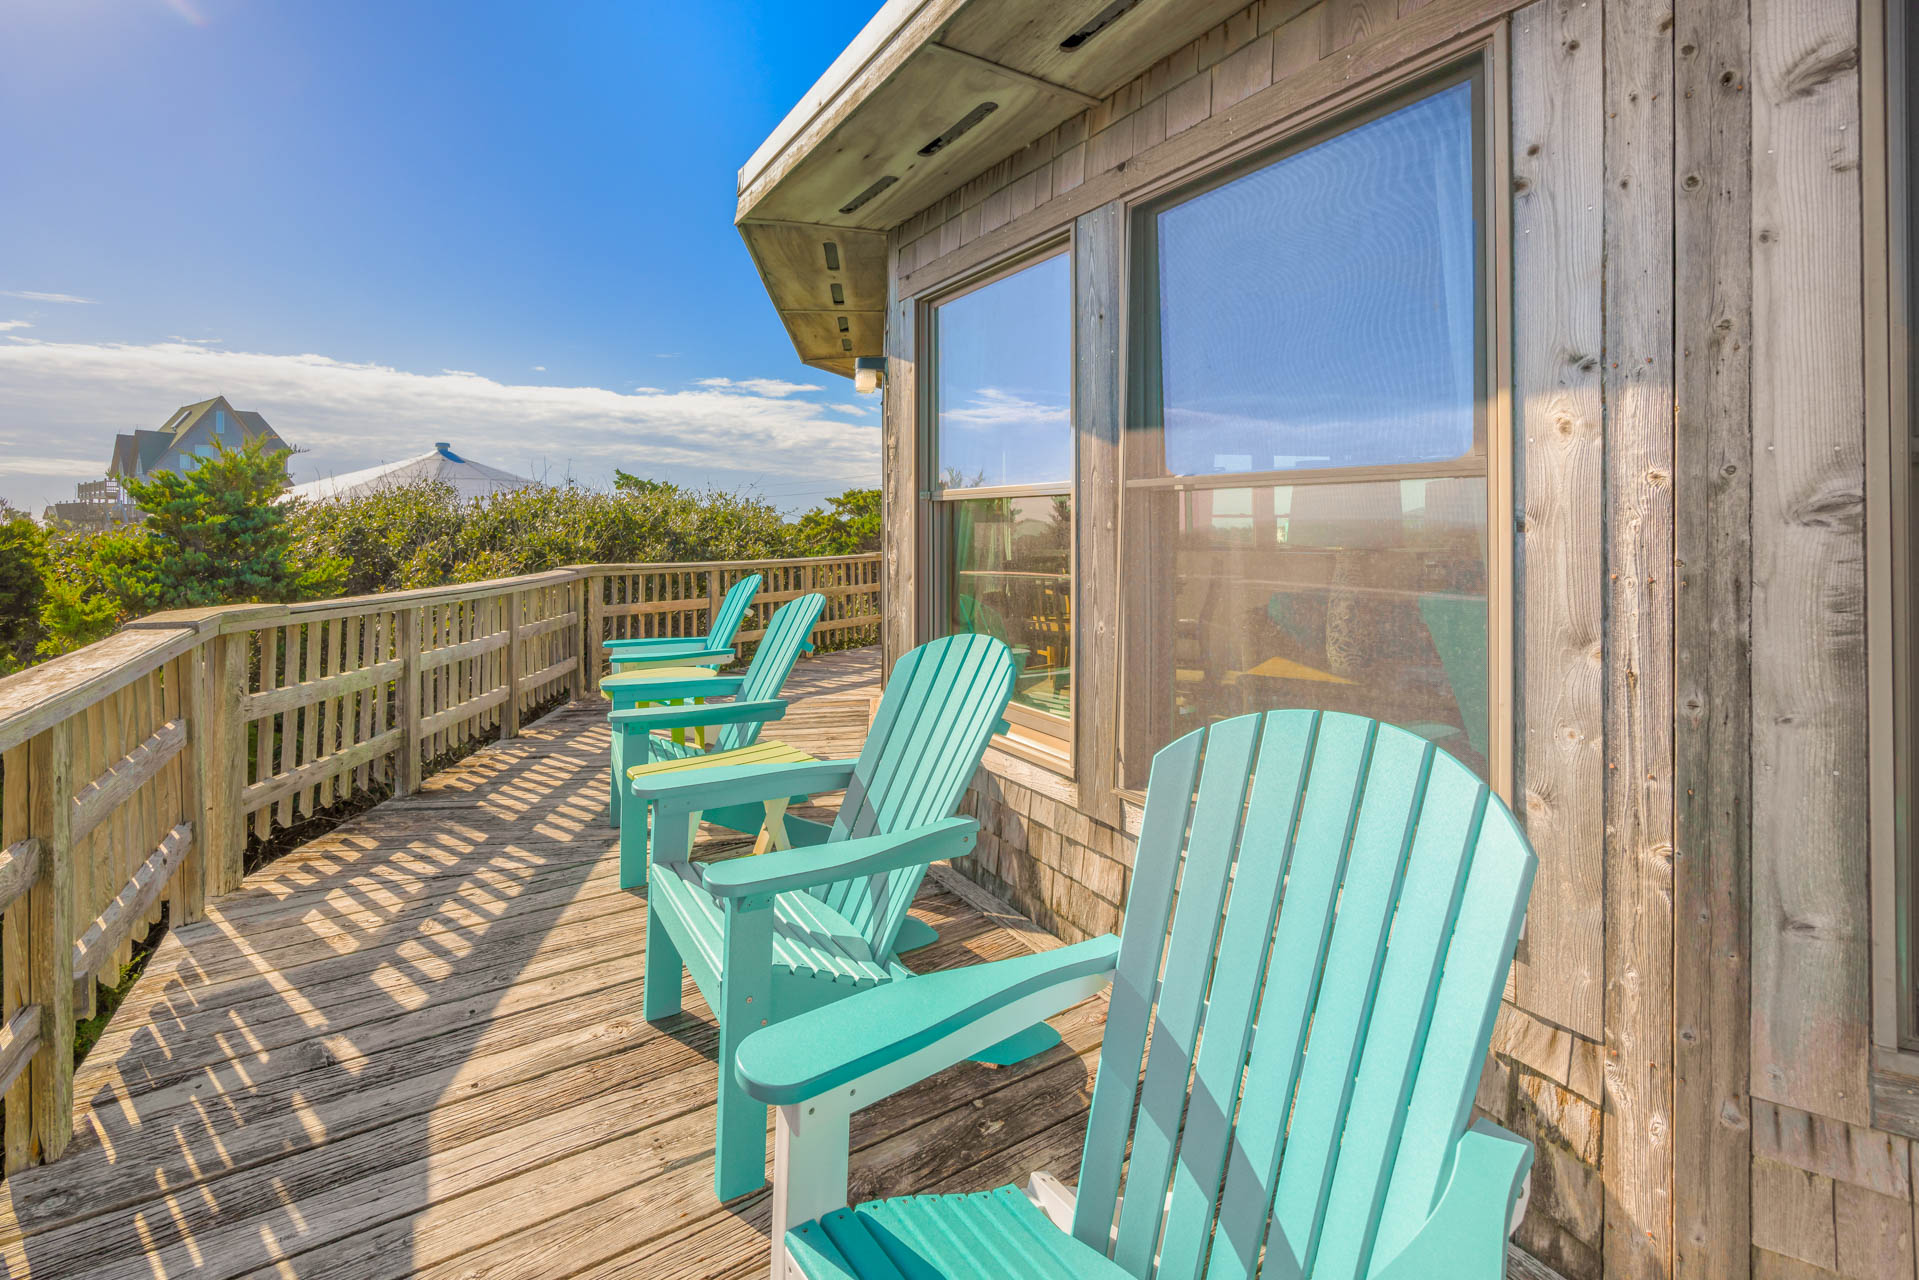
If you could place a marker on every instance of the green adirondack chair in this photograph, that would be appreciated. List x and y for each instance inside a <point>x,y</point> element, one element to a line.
<point>772,936</point>
<point>1376,892</point>
<point>755,700</point>
<point>714,649</point>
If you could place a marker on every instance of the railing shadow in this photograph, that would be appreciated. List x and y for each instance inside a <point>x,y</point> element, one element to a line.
<point>320,1060</point>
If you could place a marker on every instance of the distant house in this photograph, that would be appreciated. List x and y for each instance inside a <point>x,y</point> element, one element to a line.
<point>194,431</point>
<point>469,479</point>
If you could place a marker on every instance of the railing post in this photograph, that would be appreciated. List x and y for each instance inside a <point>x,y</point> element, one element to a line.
<point>575,604</point>
<point>50,944</point>
<point>713,594</point>
<point>510,721</point>
<point>590,641</point>
<point>223,774</point>
<point>200,764</point>
<point>408,779</point>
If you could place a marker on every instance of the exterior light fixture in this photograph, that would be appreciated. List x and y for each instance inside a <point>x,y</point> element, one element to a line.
<point>869,374</point>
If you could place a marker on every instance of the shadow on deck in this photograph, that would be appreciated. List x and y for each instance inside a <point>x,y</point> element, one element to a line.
<point>414,1047</point>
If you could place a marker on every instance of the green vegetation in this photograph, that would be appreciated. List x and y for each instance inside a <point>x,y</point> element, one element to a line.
<point>218,535</point>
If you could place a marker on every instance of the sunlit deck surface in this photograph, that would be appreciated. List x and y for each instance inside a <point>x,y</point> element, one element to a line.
<point>414,1047</point>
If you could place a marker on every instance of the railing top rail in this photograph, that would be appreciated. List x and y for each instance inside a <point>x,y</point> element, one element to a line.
<point>41,696</point>
<point>38,698</point>
<point>681,566</point>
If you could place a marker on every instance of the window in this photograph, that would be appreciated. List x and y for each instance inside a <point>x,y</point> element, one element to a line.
<point>219,422</point>
<point>1306,466</point>
<point>1002,452</point>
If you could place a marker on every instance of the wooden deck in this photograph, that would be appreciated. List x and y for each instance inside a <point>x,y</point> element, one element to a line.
<point>414,1047</point>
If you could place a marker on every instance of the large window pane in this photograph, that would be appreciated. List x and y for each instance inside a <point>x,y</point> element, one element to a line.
<point>1004,358</point>
<point>1320,312</point>
<point>1366,597</point>
<point>1012,562</point>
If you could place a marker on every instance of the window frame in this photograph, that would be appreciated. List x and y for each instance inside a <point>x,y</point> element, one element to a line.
<point>1043,738</point>
<point>1890,111</point>
<point>1485,67</point>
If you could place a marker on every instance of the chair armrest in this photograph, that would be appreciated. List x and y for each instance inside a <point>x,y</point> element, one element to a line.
<point>668,644</point>
<point>712,787</point>
<point>642,719</point>
<point>776,872</point>
<point>1465,1235</point>
<point>905,1031</point>
<point>661,690</point>
<point>698,656</point>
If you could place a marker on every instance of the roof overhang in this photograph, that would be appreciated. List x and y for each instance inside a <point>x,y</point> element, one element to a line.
<point>902,118</point>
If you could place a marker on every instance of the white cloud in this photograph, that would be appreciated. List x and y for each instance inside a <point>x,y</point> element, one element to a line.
<point>759,386</point>
<point>14,324</point>
<point>539,368</point>
<point>860,409</point>
<point>31,296</point>
<point>198,342</point>
<point>997,408</point>
<point>13,464</point>
<point>346,416</point>
<point>651,391</point>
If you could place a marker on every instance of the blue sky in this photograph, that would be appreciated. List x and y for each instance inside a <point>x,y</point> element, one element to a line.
<point>385,224</point>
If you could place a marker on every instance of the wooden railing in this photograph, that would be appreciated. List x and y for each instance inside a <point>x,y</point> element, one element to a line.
<point>135,774</point>
<point>676,599</point>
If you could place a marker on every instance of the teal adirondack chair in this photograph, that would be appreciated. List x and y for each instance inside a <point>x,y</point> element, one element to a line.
<point>714,649</point>
<point>772,936</point>
<point>755,700</point>
<point>1376,892</point>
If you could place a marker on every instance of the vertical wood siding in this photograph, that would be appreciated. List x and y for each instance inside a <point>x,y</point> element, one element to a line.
<point>1638,387</point>
<point>1099,273</point>
<point>1558,193</point>
<point>1712,868</point>
<point>900,484</point>
<point>1810,1014</point>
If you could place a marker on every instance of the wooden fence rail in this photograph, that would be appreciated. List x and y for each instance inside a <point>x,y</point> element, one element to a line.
<point>136,773</point>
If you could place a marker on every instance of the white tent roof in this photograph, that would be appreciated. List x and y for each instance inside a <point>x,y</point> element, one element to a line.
<point>469,479</point>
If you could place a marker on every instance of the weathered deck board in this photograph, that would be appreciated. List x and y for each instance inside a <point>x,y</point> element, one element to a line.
<point>414,1046</point>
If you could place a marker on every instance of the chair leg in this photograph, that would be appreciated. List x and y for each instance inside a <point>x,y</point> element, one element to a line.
<point>660,984</point>
<point>773,829</point>
<point>633,837</point>
<point>614,774</point>
<point>739,1143</point>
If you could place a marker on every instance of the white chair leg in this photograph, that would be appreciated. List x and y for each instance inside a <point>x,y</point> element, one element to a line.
<point>1524,1198</point>
<point>810,1141</point>
<point>1052,1198</point>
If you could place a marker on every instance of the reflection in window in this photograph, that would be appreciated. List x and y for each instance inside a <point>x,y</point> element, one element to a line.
<point>1318,318</point>
<point>1367,597</point>
<point>1012,579</point>
<point>1002,415</point>
<point>1003,397</point>
<point>1320,312</point>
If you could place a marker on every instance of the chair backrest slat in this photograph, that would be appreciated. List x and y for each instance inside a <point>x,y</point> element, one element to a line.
<point>725,622</point>
<point>787,636</point>
<point>1210,842</point>
<point>1273,807</point>
<point>1156,858</point>
<point>1402,1007</point>
<point>942,706</point>
<point>1478,954</point>
<point>1348,897</point>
